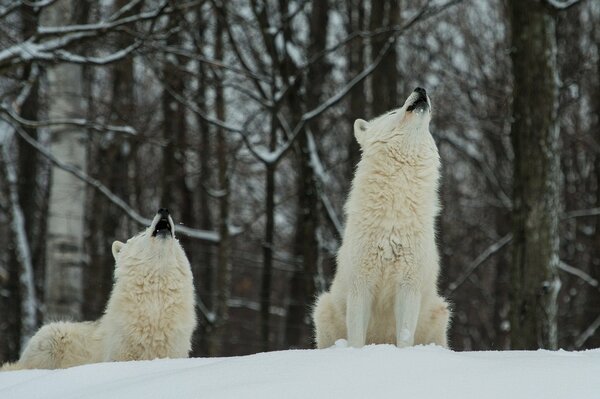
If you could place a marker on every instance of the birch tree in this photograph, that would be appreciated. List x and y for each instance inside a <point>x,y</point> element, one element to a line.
<point>65,257</point>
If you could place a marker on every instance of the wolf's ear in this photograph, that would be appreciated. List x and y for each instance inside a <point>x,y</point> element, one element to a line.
<point>360,127</point>
<point>116,248</point>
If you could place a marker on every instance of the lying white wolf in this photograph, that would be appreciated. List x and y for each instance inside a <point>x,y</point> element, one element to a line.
<point>385,287</point>
<point>150,313</point>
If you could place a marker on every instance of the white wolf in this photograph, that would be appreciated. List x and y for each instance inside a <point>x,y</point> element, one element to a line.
<point>385,287</point>
<point>150,313</point>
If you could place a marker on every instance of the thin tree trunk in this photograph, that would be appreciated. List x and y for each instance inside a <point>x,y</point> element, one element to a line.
<point>384,81</point>
<point>29,303</point>
<point>267,272</point>
<point>534,136</point>
<point>593,300</point>
<point>112,168</point>
<point>223,273</point>
<point>174,128</point>
<point>204,270</point>
<point>358,100</point>
<point>27,215</point>
<point>64,256</point>
<point>303,287</point>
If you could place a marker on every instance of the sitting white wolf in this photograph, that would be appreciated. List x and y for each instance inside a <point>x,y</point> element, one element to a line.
<point>150,313</point>
<point>385,286</point>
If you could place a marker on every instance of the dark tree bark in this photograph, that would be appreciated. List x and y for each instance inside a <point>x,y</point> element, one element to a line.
<point>306,247</point>
<point>534,136</point>
<point>384,82</point>
<point>175,193</point>
<point>593,298</point>
<point>31,198</point>
<point>204,271</point>
<point>223,272</point>
<point>267,273</point>
<point>112,166</point>
<point>356,58</point>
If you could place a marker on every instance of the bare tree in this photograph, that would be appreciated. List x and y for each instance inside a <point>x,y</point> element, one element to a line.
<point>536,203</point>
<point>66,210</point>
<point>223,264</point>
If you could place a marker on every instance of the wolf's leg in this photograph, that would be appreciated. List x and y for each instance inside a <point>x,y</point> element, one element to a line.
<point>358,314</point>
<point>439,319</point>
<point>329,323</point>
<point>407,305</point>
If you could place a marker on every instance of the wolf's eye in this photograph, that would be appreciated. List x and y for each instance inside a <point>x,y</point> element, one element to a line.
<point>392,113</point>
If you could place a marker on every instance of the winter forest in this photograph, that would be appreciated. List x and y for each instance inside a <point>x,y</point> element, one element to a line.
<point>238,117</point>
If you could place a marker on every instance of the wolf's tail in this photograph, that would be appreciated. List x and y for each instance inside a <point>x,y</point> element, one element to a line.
<point>11,367</point>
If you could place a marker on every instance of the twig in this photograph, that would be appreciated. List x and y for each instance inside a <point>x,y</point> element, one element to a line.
<point>578,272</point>
<point>73,122</point>
<point>485,255</point>
<point>591,330</point>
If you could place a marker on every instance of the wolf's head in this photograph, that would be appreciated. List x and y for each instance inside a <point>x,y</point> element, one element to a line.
<point>156,245</point>
<point>403,132</point>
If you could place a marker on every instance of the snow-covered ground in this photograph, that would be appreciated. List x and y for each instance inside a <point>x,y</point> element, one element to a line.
<point>381,371</point>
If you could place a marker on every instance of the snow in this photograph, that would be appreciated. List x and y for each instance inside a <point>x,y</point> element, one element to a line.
<point>377,371</point>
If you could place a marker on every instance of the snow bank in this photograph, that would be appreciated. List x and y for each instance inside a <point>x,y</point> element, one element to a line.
<point>380,371</point>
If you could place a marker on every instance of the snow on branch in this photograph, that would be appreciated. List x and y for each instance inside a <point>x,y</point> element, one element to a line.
<point>104,26</point>
<point>578,272</point>
<point>125,9</point>
<point>581,213</point>
<point>69,57</point>
<point>29,50</point>
<point>51,50</point>
<point>15,5</point>
<point>590,331</point>
<point>562,5</point>
<point>29,304</point>
<point>59,37</point>
<point>128,130</point>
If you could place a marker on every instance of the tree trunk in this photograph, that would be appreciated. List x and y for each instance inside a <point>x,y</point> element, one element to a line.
<point>384,81</point>
<point>267,272</point>
<point>223,273</point>
<point>30,192</point>
<point>593,300</point>
<point>303,287</point>
<point>112,166</point>
<point>534,137</point>
<point>64,256</point>
<point>204,272</point>
<point>358,100</point>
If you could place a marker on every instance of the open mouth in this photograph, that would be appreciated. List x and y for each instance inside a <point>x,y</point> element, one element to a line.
<point>163,228</point>
<point>419,104</point>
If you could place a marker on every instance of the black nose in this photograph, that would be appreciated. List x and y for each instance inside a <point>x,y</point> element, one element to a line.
<point>421,91</point>
<point>164,212</point>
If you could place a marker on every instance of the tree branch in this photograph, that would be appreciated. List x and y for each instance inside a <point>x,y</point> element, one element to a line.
<point>203,235</point>
<point>557,5</point>
<point>485,255</point>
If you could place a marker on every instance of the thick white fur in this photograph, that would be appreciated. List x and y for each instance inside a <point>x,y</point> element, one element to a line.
<point>150,313</point>
<point>385,287</point>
